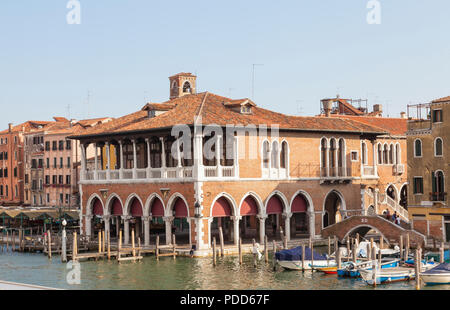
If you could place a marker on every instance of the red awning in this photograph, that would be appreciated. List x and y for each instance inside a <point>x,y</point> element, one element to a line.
<point>157,209</point>
<point>136,208</point>
<point>222,208</point>
<point>181,210</point>
<point>117,207</point>
<point>275,205</point>
<point>98,208</point>
<point>299,205</point>
<point>249,207</point>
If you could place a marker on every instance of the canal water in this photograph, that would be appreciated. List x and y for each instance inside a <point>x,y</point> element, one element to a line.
<point>179,274</point>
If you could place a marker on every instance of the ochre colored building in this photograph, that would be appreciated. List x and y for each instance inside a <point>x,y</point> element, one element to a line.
<point>428,165</point>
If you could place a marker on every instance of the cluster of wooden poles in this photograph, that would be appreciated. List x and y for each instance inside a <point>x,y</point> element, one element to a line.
<point>121,252</point>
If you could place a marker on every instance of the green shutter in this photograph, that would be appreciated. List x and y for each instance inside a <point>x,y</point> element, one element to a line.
<point>433,182</point>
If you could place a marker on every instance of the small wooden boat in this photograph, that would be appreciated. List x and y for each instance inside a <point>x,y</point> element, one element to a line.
<point>389,275</point>
<point>437,275</point>
<point>351,270</point>
<point>292,259</point>
<point>327,270</point>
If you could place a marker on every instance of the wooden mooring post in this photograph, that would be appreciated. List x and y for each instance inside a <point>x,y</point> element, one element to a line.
<point>348,248</point>
<point>407,247</point>
<point>442,253</point>
<point>214,251</point>
<point>119,245</point>
<point>274,261</point>
<point>109,247</point>
<point>254,253</point>
<point>402,258</point>
<point>74,247</point>
<point>157,247</point>
<point>303,257</point>
<point>133,245</point>
<point>354,251</point>
<point>14,241</point>
<point>338,255</point>
<point>49,239</point>
<point>417,268</point>
<point>329,246</point>
<point>99,242</point>
<point>266,250</point>
<point>240,251</point>
<point>222,253</point>
<point>174,246</point>
<point>7,240</point>
<point>103,241</point>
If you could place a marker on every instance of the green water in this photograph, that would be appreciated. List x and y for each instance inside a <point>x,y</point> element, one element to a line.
<point>179,274</point>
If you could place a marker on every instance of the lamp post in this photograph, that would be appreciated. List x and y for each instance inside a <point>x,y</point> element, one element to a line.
<point>63,242</point>
<point>197,210</point>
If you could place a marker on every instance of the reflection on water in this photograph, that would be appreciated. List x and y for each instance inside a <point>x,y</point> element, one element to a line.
<point>179,274</point>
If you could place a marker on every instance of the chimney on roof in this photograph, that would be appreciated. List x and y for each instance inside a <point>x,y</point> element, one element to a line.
<point>10,126</point>
<point>378,108</point>
<point>327,107</point>
<point>403,115</point>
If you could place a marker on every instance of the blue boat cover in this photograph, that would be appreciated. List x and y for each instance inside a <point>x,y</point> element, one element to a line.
<point>442,268</point>
<point>296,255</point>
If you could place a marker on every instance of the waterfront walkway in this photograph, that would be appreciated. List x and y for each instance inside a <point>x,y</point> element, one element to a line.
<point>11,286</point>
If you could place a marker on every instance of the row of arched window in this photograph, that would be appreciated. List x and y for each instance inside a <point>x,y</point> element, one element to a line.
<point>274,156</point>
<point>332,158</point>
<point>389,154</point>
<point>438,147</point>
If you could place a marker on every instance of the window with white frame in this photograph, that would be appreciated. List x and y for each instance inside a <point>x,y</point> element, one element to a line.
<point>438,147</point>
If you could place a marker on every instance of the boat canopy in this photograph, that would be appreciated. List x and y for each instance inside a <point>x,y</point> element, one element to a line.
<point>442,268</point>
<point>296,255</point>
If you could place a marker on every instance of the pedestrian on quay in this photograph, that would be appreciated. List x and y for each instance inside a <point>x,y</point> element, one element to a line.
<point>394,217</point>
<point>388,214</point>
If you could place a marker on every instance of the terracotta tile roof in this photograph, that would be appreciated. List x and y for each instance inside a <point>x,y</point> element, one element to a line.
<point>26,126</point>
<point>239,102</point>
<point>158,106</point>
<point>395,126</point>
<point>182,74</point>
<point>212,110</point>
<point>444,99</point>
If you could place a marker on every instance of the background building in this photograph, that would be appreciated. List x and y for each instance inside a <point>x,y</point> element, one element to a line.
<point>428,165</point>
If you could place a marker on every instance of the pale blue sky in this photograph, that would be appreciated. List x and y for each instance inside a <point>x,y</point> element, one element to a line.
<point>123,52</point>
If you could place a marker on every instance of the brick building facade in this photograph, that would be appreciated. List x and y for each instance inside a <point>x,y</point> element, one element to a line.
<point>264,172</point>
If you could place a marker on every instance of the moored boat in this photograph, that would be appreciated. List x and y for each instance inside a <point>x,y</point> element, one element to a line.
<point>352,269</point>
<point>388,275</point>
<point>437,275</point>
<point>292,259</point>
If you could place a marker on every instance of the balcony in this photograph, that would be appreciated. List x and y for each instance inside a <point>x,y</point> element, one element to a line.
<point>335,174</point>
<point>438,197</point>
<point>398,169</point>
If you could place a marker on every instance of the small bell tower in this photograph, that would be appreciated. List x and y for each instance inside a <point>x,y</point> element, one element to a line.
<point>182,84</point>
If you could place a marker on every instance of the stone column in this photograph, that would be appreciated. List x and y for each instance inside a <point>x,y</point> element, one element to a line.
<point>287,225</point>
<point>146,220</point>
<point>106,220</point>
<point>236,220</point>
<point>121,160</point>
<point>374,157</point>
<point>327,158</point>
<point>88,219</point>
<point>168,220</point>
<point>108,160</point>
<point>134,159</point>
<point>262,228</point>
<point>126,228</point>
<point>95,162</point>
<point>375,199</point>
<point>218,156</point>
<point>83,161</point>
<point>149,164</point>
